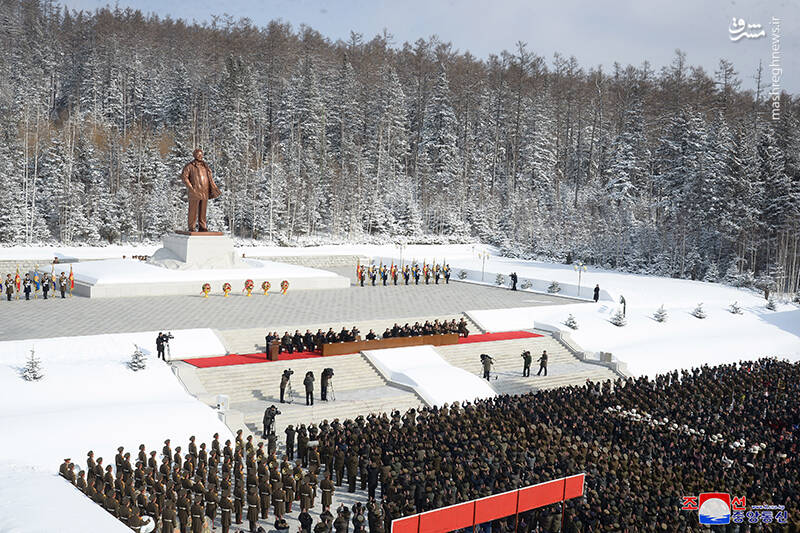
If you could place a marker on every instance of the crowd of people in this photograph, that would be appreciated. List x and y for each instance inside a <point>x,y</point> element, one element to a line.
<point>643,443</point>
<point>406,273</point>
<point>310,342</point>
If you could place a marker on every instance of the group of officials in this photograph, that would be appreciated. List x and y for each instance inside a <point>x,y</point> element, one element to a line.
<point>310,342</point>
<point>28,285</point>
<point>384,273</point>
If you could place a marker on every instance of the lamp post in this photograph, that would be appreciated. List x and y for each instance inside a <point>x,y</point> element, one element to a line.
<point>580,268</point>
<point>484,255</point>
<point>401,254</point>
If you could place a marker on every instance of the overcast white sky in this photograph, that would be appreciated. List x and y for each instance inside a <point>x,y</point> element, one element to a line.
<point>594,31</point>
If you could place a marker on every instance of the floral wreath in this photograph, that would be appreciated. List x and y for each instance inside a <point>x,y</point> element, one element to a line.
<point>226,287</point>
<point>206,289</point>
<point>284,286</point>
<point>265,286</point>
<point>248,284</point>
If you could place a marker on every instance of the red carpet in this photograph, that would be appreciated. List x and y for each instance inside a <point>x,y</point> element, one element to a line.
<point>502,336</point>
<point>246,359</point>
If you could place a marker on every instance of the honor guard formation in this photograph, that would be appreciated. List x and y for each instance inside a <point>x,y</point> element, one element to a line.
<point>731,427</point>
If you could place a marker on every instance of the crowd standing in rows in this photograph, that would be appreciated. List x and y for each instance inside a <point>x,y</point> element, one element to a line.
<point>643,444</point>
<point>393,272</point>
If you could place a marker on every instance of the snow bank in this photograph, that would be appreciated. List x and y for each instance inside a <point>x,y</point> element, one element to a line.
<point>422,369</point>
<point>88,400</point>
<point>646,346</point>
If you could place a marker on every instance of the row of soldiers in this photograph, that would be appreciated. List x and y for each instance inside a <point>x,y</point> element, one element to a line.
<point>383,272</point>
<point>32,284</point>
<point>188,491</point>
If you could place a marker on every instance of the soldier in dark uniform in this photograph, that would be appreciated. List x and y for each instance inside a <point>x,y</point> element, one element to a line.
<point>252,508</point>
<point>351,463</point>
<point>306,494</point>
<point>487,362</point>
<point>168,521</point>
<point>45,285</point>
<point>26,286</point>
<point>360,274</point>
<point>278,505</point>
<point>426,271</point>
<point>325,379</point>
<point>406,274</point>
<point>326,485</point>
<point>513,281</point>
<point>305,521</point>
<point>238,500</point>
<point>184,511</point>
<point>290,432</point>
<point>62,285</point>
<point>447,274</point>
<point>437,272</point>
<point>373,274</point>
<point>264,493</point>
<point>394,274</point>
<point>338,466</point>
<point>197,514</point>
<point>526,368</point>
<point>384,274</point>
<point>543,363</point>
<point>225,507</point>
<point>9,287</point>
<point>287,374</point>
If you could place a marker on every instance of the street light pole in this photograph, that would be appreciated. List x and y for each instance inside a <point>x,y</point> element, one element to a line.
<point>580,268</point>
<point>483,256</point>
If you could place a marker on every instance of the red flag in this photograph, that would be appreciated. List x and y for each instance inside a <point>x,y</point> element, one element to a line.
<point>71,279</point>
<point>17,280</point>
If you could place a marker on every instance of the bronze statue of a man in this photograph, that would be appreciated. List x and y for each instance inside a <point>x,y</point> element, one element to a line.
<point>196,176</point>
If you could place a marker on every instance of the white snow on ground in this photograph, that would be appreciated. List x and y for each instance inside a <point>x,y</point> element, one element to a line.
<point>646,346</point>
<point>42,502</point>
<point>422,369</point>
<point>88,400</point>
<point>187,343</point>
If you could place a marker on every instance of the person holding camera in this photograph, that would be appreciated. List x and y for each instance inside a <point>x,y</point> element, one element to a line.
<point>160,346</point>
<point>287,374</point>
<point>526,359</point>
<point>309,384</point>
<point>487,362</point>
<point>269,421</point>
<point>327,374</point>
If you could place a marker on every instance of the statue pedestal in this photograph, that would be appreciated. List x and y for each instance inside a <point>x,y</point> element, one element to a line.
<point>196,250</point>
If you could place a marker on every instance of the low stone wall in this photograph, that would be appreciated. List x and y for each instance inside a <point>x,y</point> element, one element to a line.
<point>315,261</point>
<point>10,267</point>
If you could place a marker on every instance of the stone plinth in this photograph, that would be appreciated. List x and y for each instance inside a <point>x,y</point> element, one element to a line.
<point>195,251</point>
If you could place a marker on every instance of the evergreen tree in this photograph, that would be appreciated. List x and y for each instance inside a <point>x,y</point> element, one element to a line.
<point>33,368</point>
<point>138,360</point>
<point>661,314</point>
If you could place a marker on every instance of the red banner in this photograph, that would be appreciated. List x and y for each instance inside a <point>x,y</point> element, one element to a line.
<point>483,510</point>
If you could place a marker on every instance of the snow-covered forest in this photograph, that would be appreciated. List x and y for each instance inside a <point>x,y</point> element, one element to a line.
<point>678,172</point>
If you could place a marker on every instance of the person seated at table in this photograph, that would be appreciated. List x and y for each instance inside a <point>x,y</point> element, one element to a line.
<point>405,331</point>
<point>426,328</point>
<point>462,328</point>
<point>319,339</point>
<point>371,336</point>
<point>308,341</point>
<point>344,335</point>
<point>387,334</point>
<point>330,336</point>
<point>286,343</point>
<point>297,341</point>
<point>416,330</point>
<point>354,333</point>
<point>395,330</point>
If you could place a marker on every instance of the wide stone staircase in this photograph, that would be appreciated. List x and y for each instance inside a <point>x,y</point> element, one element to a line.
<point>357,387</point>
<point>563,367</point>
<point>251,340</point>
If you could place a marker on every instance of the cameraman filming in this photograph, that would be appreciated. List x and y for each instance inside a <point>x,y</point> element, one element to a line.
<point>269,421</point>
<point>487,362</point>
<point>327,374</point>
<point>287,374</point>
<point>162,341</point>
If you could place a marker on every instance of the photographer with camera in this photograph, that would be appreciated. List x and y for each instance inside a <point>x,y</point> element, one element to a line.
<point>162,342</point>
<point>309,384</point>
<point>487,362</point>
<point>287,374</point>
<point>327,374</point>
<point>269,421</point>
<point>526,360</point>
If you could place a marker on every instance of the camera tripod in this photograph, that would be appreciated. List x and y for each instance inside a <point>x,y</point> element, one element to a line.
<point>288,394</point>
<point>331,391</point>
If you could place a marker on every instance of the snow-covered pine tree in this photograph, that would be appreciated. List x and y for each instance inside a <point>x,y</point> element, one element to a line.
<point>698,311</point>
<point>771,304</point>
<point>735,308</point>
<point>712,273</point>
<point>554,287</point>
<point>462,274</point>
<point>138,360</point>
<point>661,314</point>
<point>33,368</point>
<point>526,284</point>
<point>618,319</point>
<point>500,280</point>
<point>570,322</point>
